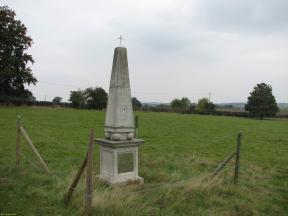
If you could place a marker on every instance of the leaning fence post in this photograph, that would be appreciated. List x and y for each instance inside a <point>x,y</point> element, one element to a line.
<point>34,149</point>
<point>18,136</point>
<point>89,179</point>
<point>136,126</point>
<point>75,182</point>
<point>222,165</point>
<point>237,161</point>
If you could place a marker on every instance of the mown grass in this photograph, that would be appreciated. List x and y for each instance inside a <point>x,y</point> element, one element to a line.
<point>179,151</point>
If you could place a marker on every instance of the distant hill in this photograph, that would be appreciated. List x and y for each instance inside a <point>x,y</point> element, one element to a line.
<point>154,104</point>
<point>237,105</point>
<point>283,105</point>
<point>232,105</point>
<point>241,105</point>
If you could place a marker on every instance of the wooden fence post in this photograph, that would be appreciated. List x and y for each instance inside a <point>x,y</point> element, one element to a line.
<point>89,179</point>
<point>237,161</point>
<point>136,126</point>
<point>34,149</point>
<point>75,182</point>
<point>222,165</point>
<point>18,136</point>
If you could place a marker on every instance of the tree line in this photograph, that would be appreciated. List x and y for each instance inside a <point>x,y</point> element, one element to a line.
<point>184,105</point>
<point>261,103</point>
<point>94,98</point>
<point>90,98</point>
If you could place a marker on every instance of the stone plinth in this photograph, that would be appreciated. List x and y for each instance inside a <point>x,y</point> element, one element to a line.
<point>119,161</point>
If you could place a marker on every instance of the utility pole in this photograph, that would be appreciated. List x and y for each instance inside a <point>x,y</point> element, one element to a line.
<point>209,103</point>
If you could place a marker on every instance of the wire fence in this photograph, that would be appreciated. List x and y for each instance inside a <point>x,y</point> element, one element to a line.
<point>57,146</point>
<point>54,146</point>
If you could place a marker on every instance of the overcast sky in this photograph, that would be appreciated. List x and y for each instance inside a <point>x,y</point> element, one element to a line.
<point>175,48</point>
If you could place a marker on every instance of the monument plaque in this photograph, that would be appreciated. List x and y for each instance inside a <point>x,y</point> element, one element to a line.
<point>125,162</point>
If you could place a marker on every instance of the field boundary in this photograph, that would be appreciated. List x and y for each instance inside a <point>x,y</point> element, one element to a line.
<point>88,164</point>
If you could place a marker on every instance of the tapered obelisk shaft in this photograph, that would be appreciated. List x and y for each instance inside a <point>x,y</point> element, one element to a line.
<point>119,124</point>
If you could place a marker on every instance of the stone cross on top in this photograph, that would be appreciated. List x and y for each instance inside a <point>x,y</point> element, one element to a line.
<point>120,39</point>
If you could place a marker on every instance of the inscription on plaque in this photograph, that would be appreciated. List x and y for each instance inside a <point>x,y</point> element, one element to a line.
<point>125,162</point>
<point>123,109</point>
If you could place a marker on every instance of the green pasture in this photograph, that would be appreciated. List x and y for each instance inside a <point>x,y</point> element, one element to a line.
<point>179,151</point>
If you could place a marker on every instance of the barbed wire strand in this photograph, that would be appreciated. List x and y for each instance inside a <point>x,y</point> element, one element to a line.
<point>73,148</point>
<point>79,147</point>
<point>52,174</point>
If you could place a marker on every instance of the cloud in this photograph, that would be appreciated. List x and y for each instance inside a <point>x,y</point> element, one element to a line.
<point>257,16</point>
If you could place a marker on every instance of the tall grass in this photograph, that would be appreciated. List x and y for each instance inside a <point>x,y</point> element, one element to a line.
<point>179,151</point>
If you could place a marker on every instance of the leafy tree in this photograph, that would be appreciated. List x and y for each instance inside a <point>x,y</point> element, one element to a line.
<point>192,108</point>
<point>57,100</point>
<point>176,104</point>
<point>96,98</point>
<point>203,106</point>
<point>186,103</point>
<point>136,104</point>
<point>261,101</point>
<point>181,104</point>
<point>77,98</point>
<point>14,72</point>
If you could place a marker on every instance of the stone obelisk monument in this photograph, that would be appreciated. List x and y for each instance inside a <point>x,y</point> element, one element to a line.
<point>119,149</point>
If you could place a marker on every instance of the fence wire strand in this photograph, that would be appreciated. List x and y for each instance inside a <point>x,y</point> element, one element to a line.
<point>81,148</point>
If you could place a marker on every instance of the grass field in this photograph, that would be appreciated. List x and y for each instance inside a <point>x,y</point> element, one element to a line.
<point>179,151</point>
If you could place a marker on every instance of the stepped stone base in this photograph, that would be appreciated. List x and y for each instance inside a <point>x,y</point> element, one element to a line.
<point>138,180</point>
